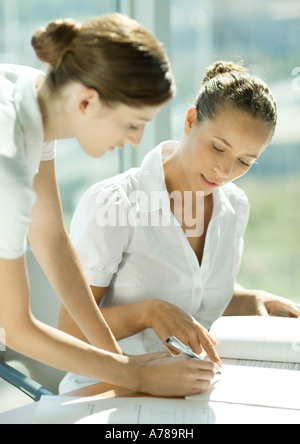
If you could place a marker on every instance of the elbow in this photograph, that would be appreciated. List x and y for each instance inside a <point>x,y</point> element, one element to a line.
<point>17,333</point>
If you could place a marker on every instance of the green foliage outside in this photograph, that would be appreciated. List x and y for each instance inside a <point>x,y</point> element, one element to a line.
<point>272,242</point>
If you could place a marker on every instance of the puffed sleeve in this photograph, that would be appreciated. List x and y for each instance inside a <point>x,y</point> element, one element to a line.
<point>16,200</point>
<point>100,232</point>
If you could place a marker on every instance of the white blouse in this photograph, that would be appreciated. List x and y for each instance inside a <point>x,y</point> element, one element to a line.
<point>22,149</point>
<point>140,262</point>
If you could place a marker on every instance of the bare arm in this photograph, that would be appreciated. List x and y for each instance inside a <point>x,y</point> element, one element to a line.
<point>124,321</point>
<point>164,318</point>
<point>164,377</point>
<point>28,336</point>
<point>55,252</point>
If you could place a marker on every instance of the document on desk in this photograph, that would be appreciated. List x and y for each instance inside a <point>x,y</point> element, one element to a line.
<point>256,386</point>
<point>67,410</point>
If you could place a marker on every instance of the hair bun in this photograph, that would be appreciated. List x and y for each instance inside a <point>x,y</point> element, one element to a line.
<point>50,43</point>
<point>222,67</point>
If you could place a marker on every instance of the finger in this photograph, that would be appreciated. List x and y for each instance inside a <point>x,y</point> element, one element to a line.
<point>295,310</point>
<point>284,313</point>
<point>261,308</point>
<point>172,351</point>
<point>195,345</point>
<point>208,346</point>
<point>213,340</point>
<point>286,309</point>
<point>206,375</point>
<point>200,387</point>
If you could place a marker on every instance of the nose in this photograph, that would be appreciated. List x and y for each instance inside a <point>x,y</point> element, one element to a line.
<point>224,169</point>
<point>135,137</point>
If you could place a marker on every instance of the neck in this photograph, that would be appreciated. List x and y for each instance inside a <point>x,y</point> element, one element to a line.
<point>176,181</point>
<point>55,120</point>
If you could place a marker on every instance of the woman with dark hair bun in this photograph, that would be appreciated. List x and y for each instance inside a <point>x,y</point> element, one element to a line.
<point>107,78</point>
<point>173,271</point>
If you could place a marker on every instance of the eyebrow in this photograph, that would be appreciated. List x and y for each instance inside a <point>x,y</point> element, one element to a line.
<point>228,144</point>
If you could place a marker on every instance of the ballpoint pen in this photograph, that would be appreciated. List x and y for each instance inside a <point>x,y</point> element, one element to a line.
<point>183,349</point>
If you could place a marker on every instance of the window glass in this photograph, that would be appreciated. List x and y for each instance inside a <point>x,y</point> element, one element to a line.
<point>18,21</point>
<point>265,35</point>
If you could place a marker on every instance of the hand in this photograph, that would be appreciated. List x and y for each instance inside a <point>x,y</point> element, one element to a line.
<point>176,376</point>
<point>168,320</point>
<point>278,306</point>
<point>261,303</point>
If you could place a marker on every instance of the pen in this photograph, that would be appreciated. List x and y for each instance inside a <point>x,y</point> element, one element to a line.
<point>183,349</point>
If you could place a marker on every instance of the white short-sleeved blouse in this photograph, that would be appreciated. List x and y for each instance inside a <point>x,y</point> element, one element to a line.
<point>22,149</point>
<point>141,262</point>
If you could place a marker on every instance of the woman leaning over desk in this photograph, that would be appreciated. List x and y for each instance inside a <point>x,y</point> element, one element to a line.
<point>165,276</point>
<point>108,77</point>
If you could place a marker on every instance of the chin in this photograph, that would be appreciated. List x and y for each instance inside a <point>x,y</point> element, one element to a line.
<point>95,154</point>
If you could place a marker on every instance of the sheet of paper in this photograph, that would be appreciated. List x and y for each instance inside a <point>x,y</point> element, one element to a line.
<point>254,386</point>
<point>66,410</point>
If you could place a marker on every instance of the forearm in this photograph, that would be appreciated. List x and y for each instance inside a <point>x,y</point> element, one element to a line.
<point>32,338</point>
<point>61,263</point>
<point>128,320</point>
<point>246,303</point>
<point>64,352</point>
<point>233,308</point>
<point>124,321</point>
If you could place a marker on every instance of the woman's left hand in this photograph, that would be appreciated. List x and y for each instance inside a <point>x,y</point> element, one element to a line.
<point>261,303</point>
<point>278,306</point>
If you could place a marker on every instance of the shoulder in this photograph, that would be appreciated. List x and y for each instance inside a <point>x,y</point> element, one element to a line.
<point>11,75</point>
<point>112,194</point>
<point>114,189</point>
<point>17,105</point>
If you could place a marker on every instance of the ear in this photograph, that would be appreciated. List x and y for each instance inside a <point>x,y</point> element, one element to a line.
<point>190,120</point>
<point>89,98</point>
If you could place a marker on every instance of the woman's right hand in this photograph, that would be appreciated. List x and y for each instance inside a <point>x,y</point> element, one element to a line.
<point>169,320</point>
<point>176,376</point>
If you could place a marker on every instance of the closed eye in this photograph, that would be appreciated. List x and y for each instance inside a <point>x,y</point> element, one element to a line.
<point>218,149</point>
<point>133,128</point>
<point>244,163</point>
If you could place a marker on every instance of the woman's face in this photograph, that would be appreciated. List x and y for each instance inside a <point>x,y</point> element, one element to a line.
<point>215,152</point>
<point>101,128</point>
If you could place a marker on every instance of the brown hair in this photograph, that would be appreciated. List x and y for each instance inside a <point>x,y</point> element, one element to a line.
<point>112,54</point>
<point>229,84</point>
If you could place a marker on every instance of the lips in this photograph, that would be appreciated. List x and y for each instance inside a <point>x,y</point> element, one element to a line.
<point>209,182</point>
